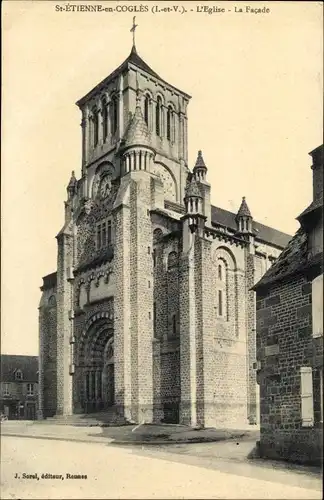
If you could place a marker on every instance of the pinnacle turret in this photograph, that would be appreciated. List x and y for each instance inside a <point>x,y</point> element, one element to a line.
<point>244,218</point>
<point>200,168</point>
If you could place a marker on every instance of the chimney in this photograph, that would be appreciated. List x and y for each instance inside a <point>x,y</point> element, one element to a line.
<point>317,167</point>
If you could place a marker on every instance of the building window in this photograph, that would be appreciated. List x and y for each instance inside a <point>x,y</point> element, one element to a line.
<point>104,119</point>
<point>172,260</point>
<point>5,390</point>
<point>95,127</point>
<point>158,116</point>
<point>114,114</point>
<point>306,394</point>
<point>154,257</point>
<point>169,123</point>
<point>317,306</point>
<point>220,303</point>
<point>18,375</point>
<point>146,109</point>
<point>220,272</point>
<point>30,389</point>
<point>104,234</point>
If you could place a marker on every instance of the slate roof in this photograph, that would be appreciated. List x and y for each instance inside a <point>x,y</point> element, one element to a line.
<point>12,362</point>
<point>49,281</point>
<point>200,163</point>
<point>244,210</point>
<point>263,233</point>
<point>313,206</point>
<point>136,60</point>
<point>293,259</point>
<point>137,132</point>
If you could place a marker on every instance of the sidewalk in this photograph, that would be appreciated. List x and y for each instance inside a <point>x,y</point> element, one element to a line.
<point>133,435</point>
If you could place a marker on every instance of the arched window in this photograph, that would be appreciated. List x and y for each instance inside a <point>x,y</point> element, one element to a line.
<point>104,119</point>
<point>52,301</point>
<point>95,126</point>
<point>172,260</point>
<point>220,304</point>
<point>18,375</point>
<point>146,109</point>
<point>114,114</point>
<point>157,234</point>
<point>158,116</point>
<point>169,123</point>
<point>221,289</point>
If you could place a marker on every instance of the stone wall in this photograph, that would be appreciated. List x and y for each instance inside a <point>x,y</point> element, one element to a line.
<point>285,345</point>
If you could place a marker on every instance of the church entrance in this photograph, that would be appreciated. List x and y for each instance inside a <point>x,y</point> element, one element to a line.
<point>96,361</point>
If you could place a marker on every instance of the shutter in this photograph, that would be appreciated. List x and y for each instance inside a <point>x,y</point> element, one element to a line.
<point>317,306</point>
<point>307,408</point>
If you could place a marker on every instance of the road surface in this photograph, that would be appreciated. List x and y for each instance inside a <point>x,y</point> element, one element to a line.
<point>100,470</point>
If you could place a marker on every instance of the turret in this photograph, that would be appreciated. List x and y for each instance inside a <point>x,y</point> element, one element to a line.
<point>200,169</point>
<point>135,149</point>
<point>72,186</point>
<point>244,218</point>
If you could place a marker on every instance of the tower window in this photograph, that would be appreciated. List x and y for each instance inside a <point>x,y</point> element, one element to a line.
<point>104,119</point>
<point>220,272</point>
<point>169,123</point>
<point>154,257</point>
<point>95,127</point>
<point>114,114</point>
<point>146,109</point>
<point>158,116</point>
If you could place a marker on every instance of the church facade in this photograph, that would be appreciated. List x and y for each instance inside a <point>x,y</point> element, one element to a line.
<point>150,314</point>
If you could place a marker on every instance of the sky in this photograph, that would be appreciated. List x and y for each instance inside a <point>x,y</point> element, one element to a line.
<point>256,83</point>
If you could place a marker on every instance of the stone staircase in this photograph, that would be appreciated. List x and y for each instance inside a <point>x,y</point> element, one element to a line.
<point>104,418</point>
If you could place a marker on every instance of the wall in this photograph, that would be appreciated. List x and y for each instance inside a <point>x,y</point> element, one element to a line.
<point>284,345</point>
<point>48,353</point>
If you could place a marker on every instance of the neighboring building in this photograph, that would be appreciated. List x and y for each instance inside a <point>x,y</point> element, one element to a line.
<point>290,339</point>
<point>149,312</point>
<point>19,386</point>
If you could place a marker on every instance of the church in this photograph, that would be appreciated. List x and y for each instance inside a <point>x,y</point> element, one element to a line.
<point>150,316</point>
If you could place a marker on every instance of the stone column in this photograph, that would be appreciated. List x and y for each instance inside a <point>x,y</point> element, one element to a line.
<point>122,315</point>
<point>188,362</point>
<point>64,305</point>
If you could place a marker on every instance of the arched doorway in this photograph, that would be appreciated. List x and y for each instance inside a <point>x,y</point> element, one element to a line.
<point>96,362</point>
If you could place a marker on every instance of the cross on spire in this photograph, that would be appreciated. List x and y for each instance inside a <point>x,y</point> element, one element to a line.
<point>133,28</point>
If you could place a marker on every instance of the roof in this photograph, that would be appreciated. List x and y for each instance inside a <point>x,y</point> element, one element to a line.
<point>264,233</point>
<point>10,363</point>
<point>313,206</point>
<point>200,162</point>
<point>137,132</point>
<point>49,281</point>
<point>137,61</point>
<point>244,210</point>
<point>294,259</point>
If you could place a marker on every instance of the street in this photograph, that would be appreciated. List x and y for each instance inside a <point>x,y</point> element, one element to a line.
<point>102,470</point>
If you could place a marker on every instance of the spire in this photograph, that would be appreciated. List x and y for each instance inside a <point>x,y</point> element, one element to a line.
<point>200,168</point>
<point>244,210</point>
<point>71,188</point>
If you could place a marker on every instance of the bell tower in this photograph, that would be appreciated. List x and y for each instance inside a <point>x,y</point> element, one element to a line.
<point>107,111</point>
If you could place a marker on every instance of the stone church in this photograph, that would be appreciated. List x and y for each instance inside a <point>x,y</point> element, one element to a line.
<point>150,316</point>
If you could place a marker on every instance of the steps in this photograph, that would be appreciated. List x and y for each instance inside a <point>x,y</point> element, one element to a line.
<point>104,418</point>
